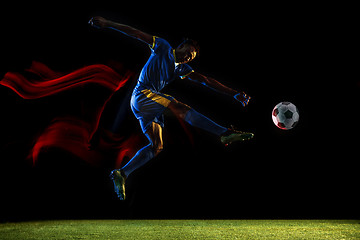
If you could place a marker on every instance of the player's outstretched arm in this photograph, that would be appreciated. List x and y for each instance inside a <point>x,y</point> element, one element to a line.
<point>217,86</point>
<point>100,22</point>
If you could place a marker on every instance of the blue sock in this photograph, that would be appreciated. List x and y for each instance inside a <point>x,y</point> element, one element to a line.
<point>196,119</point>
<point>141,157</point>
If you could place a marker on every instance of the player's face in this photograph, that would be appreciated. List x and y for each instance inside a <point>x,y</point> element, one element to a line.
<point>185,53</point>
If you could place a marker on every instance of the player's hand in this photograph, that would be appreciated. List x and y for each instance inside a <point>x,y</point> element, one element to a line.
<point>98,22</point>
<point>243,98</point>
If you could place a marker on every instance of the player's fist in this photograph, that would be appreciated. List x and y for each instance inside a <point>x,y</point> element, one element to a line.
<point>98,22</point>
<point>243,98</point>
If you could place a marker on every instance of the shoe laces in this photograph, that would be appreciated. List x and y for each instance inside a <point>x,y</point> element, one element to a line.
<point>232,128</point>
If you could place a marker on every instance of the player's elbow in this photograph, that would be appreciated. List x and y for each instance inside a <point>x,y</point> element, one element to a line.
<point>204,83</point>
<point>202,79</point>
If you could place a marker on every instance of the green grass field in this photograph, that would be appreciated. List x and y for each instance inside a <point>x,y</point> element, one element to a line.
<point>182,229</point>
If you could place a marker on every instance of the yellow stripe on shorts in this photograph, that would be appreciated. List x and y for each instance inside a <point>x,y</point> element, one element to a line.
<point>156,97</point>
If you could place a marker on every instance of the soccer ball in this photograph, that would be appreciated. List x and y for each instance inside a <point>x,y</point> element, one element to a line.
<point>285,115</point>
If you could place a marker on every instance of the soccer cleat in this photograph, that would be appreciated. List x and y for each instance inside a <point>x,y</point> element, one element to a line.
<point>119,183</point>
<point>233,135</point>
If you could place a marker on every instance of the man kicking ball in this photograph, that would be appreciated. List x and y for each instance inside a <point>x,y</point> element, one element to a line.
<point>148,104</point>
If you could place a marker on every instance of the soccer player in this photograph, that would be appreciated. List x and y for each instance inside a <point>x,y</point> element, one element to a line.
<point>148,104</point>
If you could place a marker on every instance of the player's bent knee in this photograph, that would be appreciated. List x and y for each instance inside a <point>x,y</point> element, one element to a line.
<point>157,150</point>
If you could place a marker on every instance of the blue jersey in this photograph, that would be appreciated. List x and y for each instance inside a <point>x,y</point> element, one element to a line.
<point>160,69</point>
<point>147,103</point>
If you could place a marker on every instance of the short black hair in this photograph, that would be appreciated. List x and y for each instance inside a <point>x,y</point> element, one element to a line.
<point>193,43</point>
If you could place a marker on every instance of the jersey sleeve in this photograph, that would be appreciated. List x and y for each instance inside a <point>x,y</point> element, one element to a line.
<point>183,70</point>
<point>158,44</point>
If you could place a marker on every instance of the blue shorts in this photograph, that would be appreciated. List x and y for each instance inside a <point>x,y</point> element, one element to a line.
<point>148,106</point>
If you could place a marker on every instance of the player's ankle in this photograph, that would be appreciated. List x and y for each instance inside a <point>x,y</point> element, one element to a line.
<point>122,173</point>
<point>227,132</point>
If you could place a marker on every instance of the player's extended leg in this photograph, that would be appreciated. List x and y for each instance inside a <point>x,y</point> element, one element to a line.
<point>196,119</point>
<point>154,134</point>
<point>144,155</point>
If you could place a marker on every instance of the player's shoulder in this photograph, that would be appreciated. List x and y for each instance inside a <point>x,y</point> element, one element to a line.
<point>159,42</point>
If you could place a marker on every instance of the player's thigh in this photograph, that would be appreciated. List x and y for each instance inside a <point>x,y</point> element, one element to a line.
<point>178,108</point>
<point>154,134</point>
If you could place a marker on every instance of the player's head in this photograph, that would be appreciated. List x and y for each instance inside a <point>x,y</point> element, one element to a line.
<point>187,51</point>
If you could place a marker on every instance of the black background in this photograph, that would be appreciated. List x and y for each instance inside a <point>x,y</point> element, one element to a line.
<point>297,53</point>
